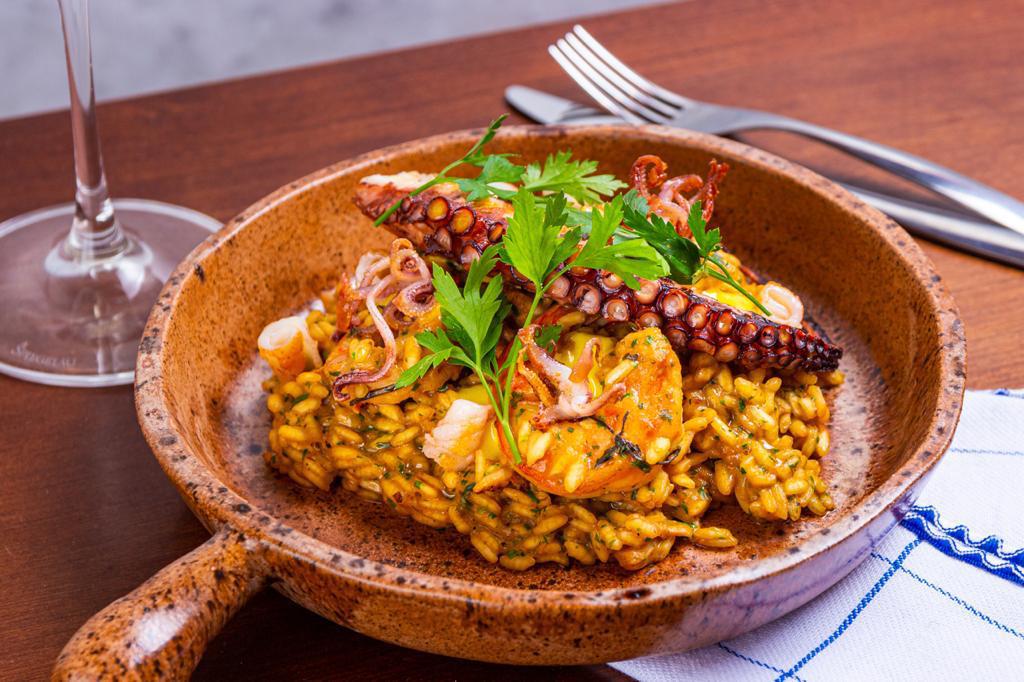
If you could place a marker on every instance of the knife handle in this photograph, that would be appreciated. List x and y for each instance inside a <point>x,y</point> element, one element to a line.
<point>948,227</point>
<point>976,197</point>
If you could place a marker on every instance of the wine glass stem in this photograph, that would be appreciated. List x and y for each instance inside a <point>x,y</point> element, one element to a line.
<point>95,232</point>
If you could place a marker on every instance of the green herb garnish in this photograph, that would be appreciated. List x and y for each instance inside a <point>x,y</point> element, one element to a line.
<point>548,335</point>
<point>472,318</point>
<point>494,168</point>
<point>688,260</point>
<point>559,174</point>
<point>472,156</point>
<point>623,446</point>
<point>574,178</point>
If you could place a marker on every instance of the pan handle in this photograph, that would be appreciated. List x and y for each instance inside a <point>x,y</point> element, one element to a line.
<point>162,628</point>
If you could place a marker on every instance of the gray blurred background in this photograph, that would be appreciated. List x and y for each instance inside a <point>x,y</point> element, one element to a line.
<point>148,45</point>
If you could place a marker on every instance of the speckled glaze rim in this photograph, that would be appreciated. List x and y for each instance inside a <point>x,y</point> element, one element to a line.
<point>219,506</point>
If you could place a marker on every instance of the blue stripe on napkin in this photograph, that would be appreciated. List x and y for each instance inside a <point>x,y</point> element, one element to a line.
<point>986,554</point>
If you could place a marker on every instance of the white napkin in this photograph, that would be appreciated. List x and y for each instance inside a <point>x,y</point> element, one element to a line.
<point>942,597</point>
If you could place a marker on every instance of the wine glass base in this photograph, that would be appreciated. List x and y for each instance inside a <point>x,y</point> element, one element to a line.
<point>69,323</point>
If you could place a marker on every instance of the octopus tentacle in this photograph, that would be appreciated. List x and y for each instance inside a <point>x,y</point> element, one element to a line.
<point>585,362</point>
<point>365,376</point>
<point>401,272</point>
<point>707,193</point>
<point>441,222</point>
<point>667,196</point>
<point>649,176</point>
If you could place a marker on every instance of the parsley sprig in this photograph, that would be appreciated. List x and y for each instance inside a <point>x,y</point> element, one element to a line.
<point>688,260</point>
<point>558,174</point>
<point>471,319</point>
<point>474,156</point>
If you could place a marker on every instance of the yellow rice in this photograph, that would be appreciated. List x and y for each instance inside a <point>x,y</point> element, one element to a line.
<point>754,439</point>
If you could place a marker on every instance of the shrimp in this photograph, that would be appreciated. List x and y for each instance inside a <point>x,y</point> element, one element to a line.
<point>287,347</point>
<point>619,445</point>
<point>460,433</point>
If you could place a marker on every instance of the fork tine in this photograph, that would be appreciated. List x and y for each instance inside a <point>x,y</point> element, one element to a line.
<point>589,72</point>
<point>614,77</point>
<point>627,73</point>
<point>591,89</point>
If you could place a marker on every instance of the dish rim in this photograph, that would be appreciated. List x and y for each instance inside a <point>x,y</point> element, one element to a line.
<point>215,503</point>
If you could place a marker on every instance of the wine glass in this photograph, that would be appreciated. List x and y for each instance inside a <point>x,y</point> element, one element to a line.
<point>77,281</point>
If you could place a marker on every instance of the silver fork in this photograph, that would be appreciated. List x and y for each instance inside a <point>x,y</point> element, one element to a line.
<point>628,95</point>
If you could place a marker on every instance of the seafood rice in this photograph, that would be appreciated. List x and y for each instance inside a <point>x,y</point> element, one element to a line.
<point>603,421</point>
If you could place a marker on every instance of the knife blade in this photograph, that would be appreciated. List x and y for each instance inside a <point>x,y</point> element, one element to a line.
<point>548,108</point>
<point>949,227</point>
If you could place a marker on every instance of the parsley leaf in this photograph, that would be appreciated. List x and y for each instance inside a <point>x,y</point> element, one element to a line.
<point>472,318</point>
<point>682,255</point>
<point>688,260</point>
<point>707,242</point>
<point>418,370</point>
<point>496,168</point>
<point>534,243</point>
<point>548,334</point>
<point>574,178</point>
<point>575,217</point>
<point>627,258</point>
<point>441,348</point>
<point>481,267</point>
<point>558,174</point>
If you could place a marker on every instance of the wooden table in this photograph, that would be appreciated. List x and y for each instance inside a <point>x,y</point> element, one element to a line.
<point>85,512</point>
